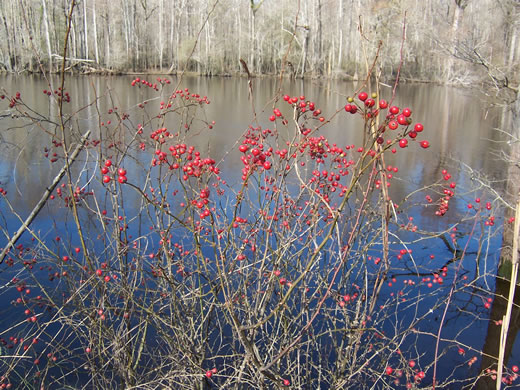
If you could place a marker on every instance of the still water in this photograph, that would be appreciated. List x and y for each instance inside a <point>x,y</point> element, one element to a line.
<point>461,128</point>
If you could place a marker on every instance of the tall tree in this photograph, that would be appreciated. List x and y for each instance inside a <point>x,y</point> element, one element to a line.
<point>460,6</point>
<point>47,35</point>
<point>85,29</point>
<point>94,27</point>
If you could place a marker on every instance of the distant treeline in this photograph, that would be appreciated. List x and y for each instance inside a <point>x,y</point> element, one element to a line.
<point>310,38</point>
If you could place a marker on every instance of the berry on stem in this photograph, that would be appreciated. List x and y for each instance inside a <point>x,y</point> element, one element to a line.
<point>425,144</point>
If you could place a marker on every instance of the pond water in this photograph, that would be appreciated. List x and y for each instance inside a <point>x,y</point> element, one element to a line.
<point>459,125</point>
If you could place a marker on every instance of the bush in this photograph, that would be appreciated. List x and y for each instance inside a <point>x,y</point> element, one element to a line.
<point>170,277</point>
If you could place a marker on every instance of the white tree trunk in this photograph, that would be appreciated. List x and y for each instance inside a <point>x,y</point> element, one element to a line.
<point>340,30</point>
<point>94,26</point>
<point>85,27</point>
<point>513,47</point>
<point>455,24</point>
<point>47,36</point>
<point>161,41</point>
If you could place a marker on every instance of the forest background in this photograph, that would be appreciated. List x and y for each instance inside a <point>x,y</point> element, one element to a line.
<point>210,37</point>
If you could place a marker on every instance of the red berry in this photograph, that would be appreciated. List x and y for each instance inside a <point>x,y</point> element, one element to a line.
<point>392,125</point>
<point>286,382</point>
<point>106,179</point>
<point>394,110</point>
<point>267,165</point>
<point>418,127</point>
<point>243,148</point>
<point>363,96</point>
<point>104,170</point>
<point>425,144</point>
<point>209,374</point>
<point>403,143</point>
<point>407,112</point>
<point>389,370</point>
<point>122,179</point>
<point>108,163</point>
<point>383,104</point>
<point>514,368</point>
<point>370,102</point>
<point>401,119</point>
<point>121,171</point>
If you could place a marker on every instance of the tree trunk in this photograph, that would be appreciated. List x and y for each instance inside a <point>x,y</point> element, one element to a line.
<point>94,26</point>
<point>340,32</point>
<point>319,39</point>
<point>85,28</point>
<point>108,51</point>
<point>47,36</point>
<point>460,5</point>
<point>12,57</point>
<point>74,48</point>
<point>305,50</point>
<point>252,39</point>
<point>161,47</point>
<point>173,36</point>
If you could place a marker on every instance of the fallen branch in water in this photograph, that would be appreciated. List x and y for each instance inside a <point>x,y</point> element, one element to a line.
<point>44,198</point>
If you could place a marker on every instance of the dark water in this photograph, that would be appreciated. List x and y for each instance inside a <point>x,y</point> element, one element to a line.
<point>459,125</point>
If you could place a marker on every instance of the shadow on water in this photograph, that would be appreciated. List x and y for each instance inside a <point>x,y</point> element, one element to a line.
<point>492,343</point>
